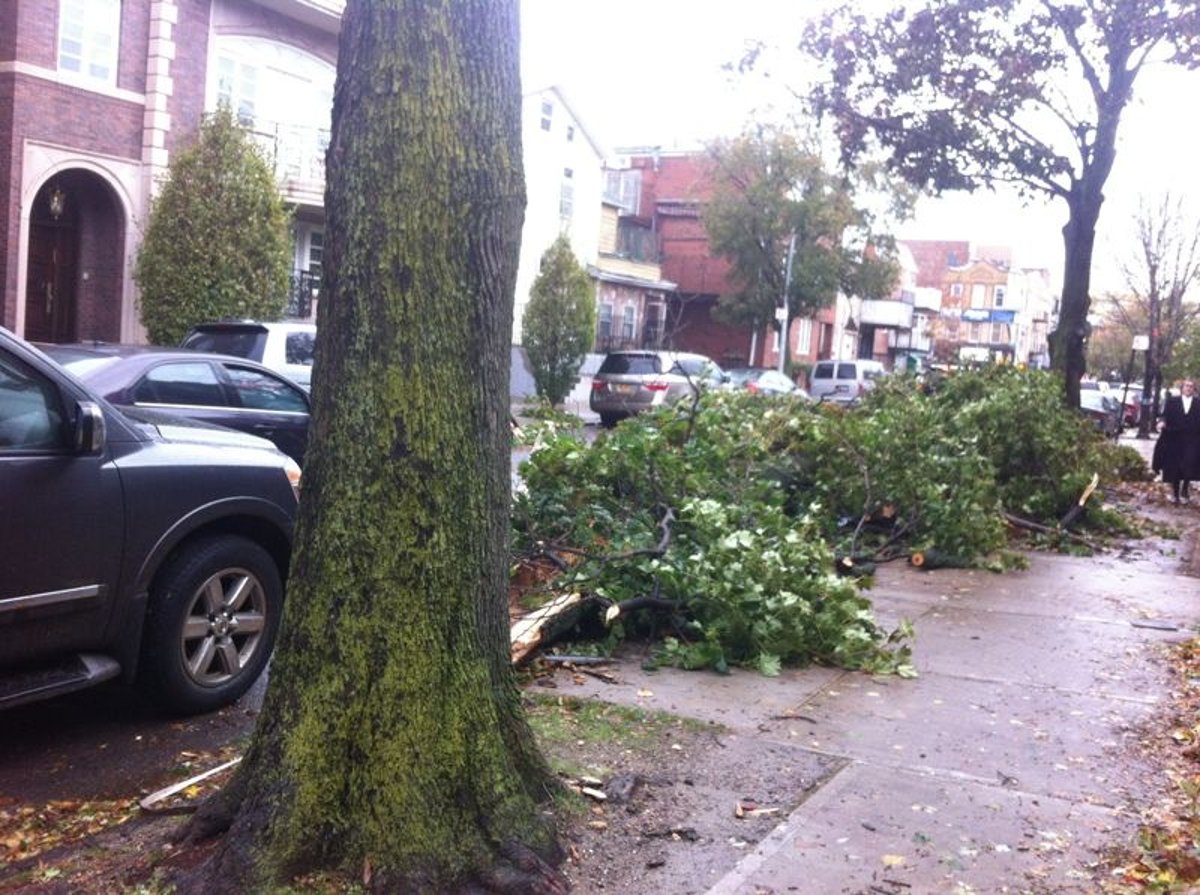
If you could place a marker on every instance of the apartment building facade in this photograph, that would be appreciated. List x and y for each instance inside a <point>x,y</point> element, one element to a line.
<point>96,95</point>
<point>563,183</point>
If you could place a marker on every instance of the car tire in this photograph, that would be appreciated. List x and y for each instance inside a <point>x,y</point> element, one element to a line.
<point>608,420</point>
<point>211,624</point>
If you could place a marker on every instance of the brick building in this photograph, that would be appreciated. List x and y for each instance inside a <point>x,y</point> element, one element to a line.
<point>95,95</point>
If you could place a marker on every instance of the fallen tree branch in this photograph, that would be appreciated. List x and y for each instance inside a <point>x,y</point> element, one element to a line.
<point>664,541</point>
<point>1030,525</point>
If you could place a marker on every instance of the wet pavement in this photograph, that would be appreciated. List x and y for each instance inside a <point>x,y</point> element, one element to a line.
<point>1006,766</point>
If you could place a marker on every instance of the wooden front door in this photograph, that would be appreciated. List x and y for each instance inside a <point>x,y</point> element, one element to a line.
<point>50,299</point>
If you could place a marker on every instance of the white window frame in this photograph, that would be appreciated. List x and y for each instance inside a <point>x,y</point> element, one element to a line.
<point>628,322</point>
<point>804,336</point>
<point>956,290</point>
<point>999,293</point>
<point>89,39</point>
<point>604,320</point>
<point>566,200</point>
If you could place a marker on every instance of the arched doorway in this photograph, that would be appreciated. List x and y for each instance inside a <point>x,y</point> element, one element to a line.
<point>74,279</point>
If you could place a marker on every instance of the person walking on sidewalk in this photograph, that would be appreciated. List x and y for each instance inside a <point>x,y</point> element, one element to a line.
<point>1177,453</point>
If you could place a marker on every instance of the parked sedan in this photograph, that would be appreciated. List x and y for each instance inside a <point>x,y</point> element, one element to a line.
<point>213,388</point>
<point>1102,409</point>
<point>763,381</point>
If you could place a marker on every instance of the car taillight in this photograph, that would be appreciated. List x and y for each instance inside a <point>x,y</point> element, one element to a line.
<point>598,385</point>
<point>656,386</point>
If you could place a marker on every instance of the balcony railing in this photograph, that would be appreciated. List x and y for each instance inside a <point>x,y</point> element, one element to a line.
<point>302,292</point>
<point>297,151</point>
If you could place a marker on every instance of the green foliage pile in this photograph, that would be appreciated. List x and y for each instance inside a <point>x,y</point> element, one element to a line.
<point>217,243</point>
<point>559,322</point>
<point>732,519</point>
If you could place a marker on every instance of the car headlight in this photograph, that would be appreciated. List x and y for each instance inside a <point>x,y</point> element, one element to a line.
<point>292,469</point>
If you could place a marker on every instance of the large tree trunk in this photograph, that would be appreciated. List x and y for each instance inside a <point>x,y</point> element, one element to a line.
<point>392,744</point>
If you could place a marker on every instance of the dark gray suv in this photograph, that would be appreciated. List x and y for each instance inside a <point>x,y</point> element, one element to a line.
<point>133,546</point>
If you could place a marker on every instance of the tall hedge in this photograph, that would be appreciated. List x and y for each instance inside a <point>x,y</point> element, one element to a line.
<point>218,240</point>
<point>559,322</point>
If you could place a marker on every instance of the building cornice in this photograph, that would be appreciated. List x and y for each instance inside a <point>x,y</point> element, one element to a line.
<point>325,15</point>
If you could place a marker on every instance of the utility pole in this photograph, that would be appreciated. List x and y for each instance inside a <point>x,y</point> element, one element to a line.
<point>783,311</point>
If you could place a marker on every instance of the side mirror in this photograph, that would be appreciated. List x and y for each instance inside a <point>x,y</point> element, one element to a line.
<point>90,428</point>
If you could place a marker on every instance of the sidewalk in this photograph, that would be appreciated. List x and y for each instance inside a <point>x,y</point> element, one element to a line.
<point>1004,767</point>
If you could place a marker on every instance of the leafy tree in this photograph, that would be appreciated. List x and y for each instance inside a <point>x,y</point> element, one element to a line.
<point>1112,337</point>
<point>962,94</point>
<point>392,745</point>
<point>560,321</point>
<point>773,197</point>
<point>217,243</point>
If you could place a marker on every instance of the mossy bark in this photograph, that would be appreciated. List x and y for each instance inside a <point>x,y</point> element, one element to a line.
<point>392,743</point>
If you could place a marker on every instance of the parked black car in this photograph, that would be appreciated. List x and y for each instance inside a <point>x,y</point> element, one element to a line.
<point>212,388</point>
<point>134,545</point>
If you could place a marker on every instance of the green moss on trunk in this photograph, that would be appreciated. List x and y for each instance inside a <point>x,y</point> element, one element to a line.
<point>392,735</point>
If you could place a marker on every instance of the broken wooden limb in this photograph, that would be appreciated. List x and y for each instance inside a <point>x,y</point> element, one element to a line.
<point>577,660</point>
<point>1075,511</point>
<point>1030,525</point>
<point>151,803</point>
<point>616,610</point>
<point>543,624</point>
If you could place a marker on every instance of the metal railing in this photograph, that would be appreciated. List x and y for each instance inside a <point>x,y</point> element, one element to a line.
<point>303,289</point>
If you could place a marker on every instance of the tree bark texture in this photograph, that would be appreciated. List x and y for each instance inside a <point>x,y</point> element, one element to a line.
<point>392,744</point>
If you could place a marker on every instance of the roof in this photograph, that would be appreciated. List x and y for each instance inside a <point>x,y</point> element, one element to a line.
<point>569,106</point>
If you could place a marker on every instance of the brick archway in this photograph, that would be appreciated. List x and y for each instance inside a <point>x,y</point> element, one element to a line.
<point>75,273</point>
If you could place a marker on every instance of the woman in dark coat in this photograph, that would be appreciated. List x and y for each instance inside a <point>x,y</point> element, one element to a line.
<point>1177,453</point>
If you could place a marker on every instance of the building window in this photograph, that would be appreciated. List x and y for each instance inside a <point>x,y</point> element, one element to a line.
<point>804,337</point>
<point>237,85</point>
<point>652,331</point>
<point>570,134</point>
<point>605,320</point>
<point>316,252</point>
<point>978,295</point>
<point>566,200</point>
<point>547,112</point>
<point>976,330</point>
<point>998,296</point>
<point>627,322</point>
<point>998,334</point>
<point>88,34</point>
<point>956,290</point>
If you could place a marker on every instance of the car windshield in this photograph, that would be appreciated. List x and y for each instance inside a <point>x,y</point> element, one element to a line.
<point>82,364</point>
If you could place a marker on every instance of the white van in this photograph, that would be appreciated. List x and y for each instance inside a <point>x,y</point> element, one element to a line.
<point>843,381</point>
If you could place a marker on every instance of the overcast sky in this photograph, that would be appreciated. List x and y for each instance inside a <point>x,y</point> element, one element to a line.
<point>649,73</point>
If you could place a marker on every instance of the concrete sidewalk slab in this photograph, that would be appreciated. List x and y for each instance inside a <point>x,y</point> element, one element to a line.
<point>1040,741</point>
<point>1089,656</point>
<point>880,830</point>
